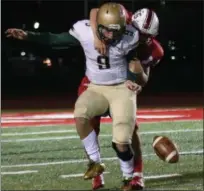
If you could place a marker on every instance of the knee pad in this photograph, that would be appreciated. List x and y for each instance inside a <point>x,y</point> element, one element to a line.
<point>124,156</point>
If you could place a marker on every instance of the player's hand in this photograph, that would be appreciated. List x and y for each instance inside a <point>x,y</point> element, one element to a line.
<point>16,33</point>
<point>139,89</point>
<point>100,46</point>
<point>133,86</point>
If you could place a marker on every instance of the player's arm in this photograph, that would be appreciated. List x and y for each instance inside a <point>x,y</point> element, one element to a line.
<point>62,39</point>
<point>98,44</point>
<point>93,15</point>
<point>137,72</point>
<point>139,66</point>
<point>47,38</point>
<point>157,53</point>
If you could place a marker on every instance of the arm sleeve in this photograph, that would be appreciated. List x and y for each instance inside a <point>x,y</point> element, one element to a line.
<point>157,50</point>
<point>76,30</point>
<point>157,53</point>
<point>50,39</point>
<point>81,31</point>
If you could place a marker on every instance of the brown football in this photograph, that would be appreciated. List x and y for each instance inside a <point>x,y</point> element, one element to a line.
<point>165,149</point>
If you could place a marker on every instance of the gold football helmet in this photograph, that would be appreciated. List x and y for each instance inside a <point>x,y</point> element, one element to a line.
<point>111,22</point>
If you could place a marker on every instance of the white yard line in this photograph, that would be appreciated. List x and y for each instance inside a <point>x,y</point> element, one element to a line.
<point>146,177</point>
<point>172,121</point>
<point>74,131</point>
<point>54,163</point>
<point>84,160</point>
<point>161,176</point>
<point>76,175</point>
<point>102,135</point>
<point>32,126</point>
<point>45,139</point>
<point>19,172</point>
<point>38,133</point>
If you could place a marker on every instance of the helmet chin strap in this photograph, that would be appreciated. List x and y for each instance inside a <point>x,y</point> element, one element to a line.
<point>100,38</point>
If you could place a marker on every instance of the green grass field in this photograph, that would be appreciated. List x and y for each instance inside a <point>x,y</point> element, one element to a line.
<point>47,153</point>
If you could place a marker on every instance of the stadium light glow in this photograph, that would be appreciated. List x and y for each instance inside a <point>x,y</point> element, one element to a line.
<point>47,62</point>
<point>173,57</point>
<point>23,53</point>
<point>36,25</point>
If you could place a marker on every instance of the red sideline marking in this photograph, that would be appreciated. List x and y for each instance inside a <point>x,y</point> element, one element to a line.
<point>22,114</point>
<point>61,118</point>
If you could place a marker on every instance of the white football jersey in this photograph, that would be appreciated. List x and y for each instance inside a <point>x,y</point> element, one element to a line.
<point>111,68</point>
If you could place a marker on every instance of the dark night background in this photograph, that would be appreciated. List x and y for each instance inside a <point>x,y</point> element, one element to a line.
<point>26,78</point>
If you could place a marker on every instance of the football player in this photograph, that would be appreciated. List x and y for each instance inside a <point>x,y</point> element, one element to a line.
<point>150,53</point>
<point>107,90</point>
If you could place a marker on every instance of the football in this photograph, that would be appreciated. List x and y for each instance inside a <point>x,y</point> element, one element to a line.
<point>165,149</point>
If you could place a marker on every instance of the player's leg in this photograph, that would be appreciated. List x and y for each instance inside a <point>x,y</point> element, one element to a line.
<point>137,181</point>
<point>95,121</point>
<point>84,111</point>
<point>136,145</point>
<point>95,125</point>
<point>97,181</point>
<point>123,112</point>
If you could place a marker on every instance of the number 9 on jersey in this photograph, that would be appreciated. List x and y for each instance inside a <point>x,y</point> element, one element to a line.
<point>103,62</point>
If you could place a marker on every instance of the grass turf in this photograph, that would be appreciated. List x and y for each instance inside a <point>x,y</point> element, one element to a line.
<point>62,148</point>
